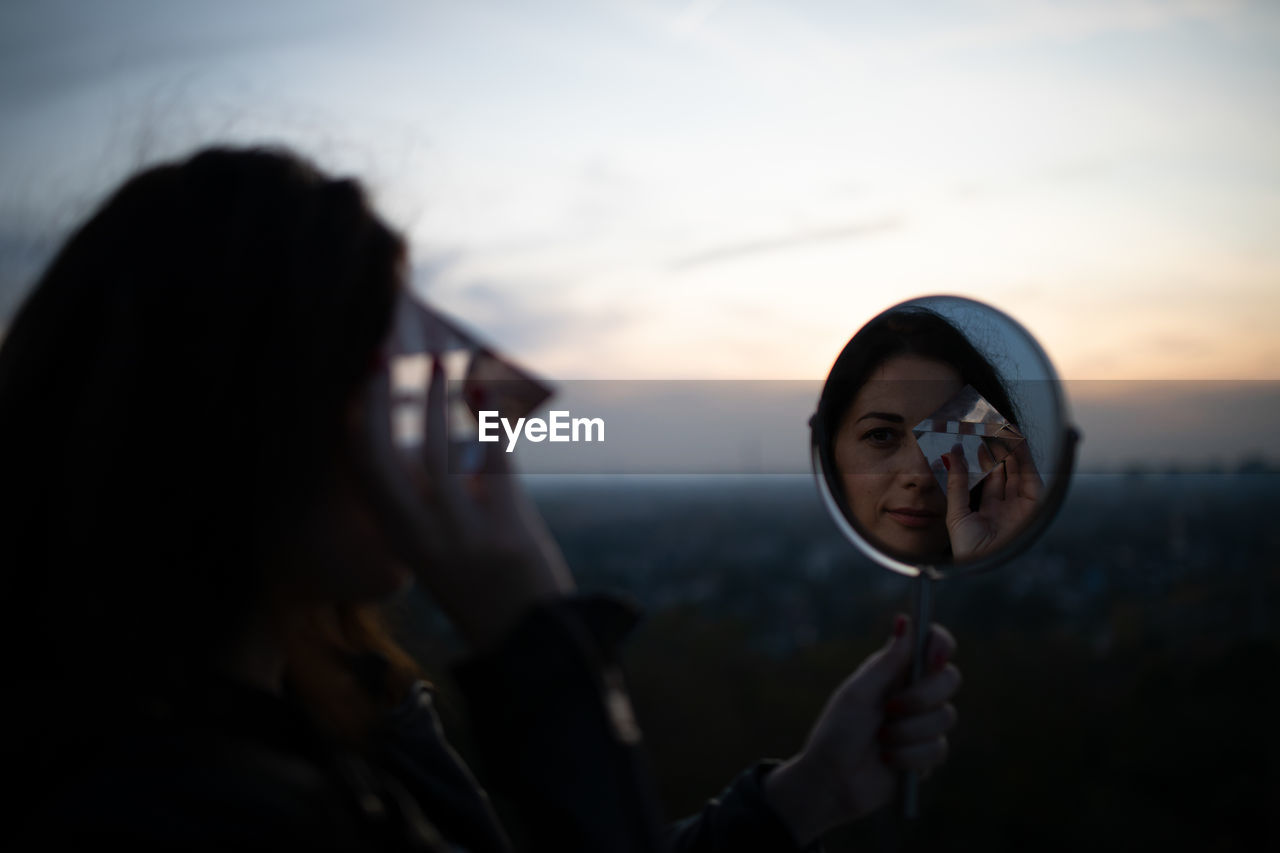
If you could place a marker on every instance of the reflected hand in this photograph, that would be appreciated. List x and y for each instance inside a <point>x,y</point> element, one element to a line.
<point>1010,495</point>
<point>473,540</point>
<point>871,728</point>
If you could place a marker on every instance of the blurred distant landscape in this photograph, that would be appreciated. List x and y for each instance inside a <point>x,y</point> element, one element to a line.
<point>1120,677</point>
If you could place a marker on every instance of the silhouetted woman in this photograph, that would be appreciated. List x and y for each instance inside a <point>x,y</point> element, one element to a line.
<point>198,530</point>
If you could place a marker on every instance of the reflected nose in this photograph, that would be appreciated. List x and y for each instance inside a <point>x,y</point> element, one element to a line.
<point>915,473</point>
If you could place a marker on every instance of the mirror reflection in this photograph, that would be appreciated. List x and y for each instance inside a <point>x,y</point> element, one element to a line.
<point>920,432</point>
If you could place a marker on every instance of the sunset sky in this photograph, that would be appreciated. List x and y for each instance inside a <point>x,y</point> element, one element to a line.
<point>717,189</point>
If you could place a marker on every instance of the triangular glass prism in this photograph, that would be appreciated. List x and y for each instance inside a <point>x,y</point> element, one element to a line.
<point>969,420</point>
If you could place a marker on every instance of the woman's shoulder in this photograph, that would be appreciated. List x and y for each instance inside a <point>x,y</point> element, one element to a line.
<point>245,772</point>
<point>184,789</point>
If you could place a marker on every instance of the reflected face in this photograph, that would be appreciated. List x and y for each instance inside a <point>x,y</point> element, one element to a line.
<point>888,486</point>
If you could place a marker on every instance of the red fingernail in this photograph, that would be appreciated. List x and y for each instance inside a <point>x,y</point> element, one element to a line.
<point>938,660</point>
<point>899,625</point>
<point>946,463</point>
<point>886,757</point>
<point>895,706</point>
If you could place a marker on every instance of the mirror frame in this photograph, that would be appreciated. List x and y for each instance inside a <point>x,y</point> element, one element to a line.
<point>1067,435</point>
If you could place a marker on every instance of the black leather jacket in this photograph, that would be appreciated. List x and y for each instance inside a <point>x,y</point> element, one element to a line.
<point>246,769</point>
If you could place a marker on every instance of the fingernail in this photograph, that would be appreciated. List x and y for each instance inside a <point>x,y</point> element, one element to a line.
<point>946,463</point>
<point>899,625</point>
<point>937,660</point>
<point>895,706</point>
<point>886,757</point>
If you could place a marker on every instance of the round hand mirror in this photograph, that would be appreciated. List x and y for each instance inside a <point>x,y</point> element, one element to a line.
<point>941,445</point>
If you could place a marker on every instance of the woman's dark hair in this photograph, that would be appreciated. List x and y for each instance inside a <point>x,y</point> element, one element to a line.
<point>172,400</point>
<point>908,331</point>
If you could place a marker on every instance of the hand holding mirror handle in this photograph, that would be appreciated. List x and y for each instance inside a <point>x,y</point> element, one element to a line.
<point>977,479</point>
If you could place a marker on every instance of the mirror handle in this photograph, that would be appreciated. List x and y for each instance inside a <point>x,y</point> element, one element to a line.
<point>923,615</point>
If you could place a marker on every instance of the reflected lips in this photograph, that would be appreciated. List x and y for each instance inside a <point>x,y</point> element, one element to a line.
<point>913,517</point>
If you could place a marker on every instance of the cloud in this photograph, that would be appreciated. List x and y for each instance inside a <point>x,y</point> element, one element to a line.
<point>694,16</point>
<point>1012,22</point>
<point>533,320</point>
<point>733,252</point>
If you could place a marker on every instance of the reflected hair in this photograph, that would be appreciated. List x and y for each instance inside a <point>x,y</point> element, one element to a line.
<point>914,331</point>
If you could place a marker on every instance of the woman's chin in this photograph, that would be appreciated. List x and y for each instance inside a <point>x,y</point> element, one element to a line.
<point>916,546</point>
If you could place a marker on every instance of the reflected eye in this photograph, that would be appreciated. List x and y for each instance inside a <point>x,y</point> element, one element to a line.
<point>881,437</point>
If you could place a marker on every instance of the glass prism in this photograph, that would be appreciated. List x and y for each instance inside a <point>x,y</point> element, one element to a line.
<point>969,420</point>
<point>476,377</point>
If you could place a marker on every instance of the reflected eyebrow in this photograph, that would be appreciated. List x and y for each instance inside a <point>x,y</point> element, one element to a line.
<point>883,416</point>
